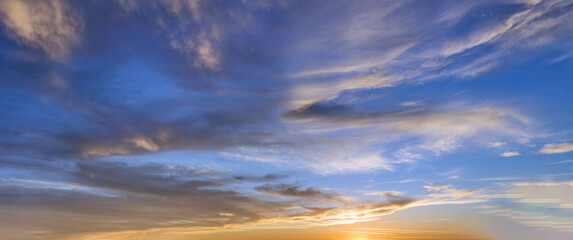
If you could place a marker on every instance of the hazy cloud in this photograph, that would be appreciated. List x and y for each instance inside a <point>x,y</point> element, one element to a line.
<point>496,144</point>
<point>112,197</point>
<point>557,148</point>
<point>53,26</point>
<point>510,154</point>
<point>529,203</point>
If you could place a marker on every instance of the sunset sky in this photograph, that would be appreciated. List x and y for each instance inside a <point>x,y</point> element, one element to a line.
<point>306,120</point>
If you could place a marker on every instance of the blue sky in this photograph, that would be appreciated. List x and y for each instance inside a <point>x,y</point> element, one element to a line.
<point>233,119</point>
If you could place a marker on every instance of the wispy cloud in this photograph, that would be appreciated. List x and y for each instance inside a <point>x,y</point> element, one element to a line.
<point>163,197</point>
<point>54,26</point>
<point>435,131</point>
<point>317,95</point>
<point>557,148</point>
<point>536,202</point>
<point>561,162</point>
<point>528,24</point>
<point>496,144</point>
<point>199,28</point>
<point>510,154</point>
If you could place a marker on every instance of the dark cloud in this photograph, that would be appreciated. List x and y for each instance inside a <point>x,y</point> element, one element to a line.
<point>332,111</point>
<point>109,99</point>
<point>58,212</point>
<point>265,178</point>
<point>114,196</point>
<point>151,179</point>
<point>296,190</point>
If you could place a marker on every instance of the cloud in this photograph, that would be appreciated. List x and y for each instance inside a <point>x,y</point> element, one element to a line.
<point>150,180</point>
<point>560,162</point>
<point>265,178</point>
<point>410,54</point>
<point>543,205</point>
<point>209,130</point>
<point>247,81</point>
<point>557,148</point>
<point>434,130</point>
<point>228,103</point>
<point>53,26</point>
<point>448,194</point>
<point>295,190</point>
<point>450,122</point>
<point>342,113</point>
<point>436,187</point>
<point>199,29</point>
<point>325,158</point>
<point>385,193</point>
<point>510,154</point>
<point>110,197</point>
<point>496,144</point>
<point>159,200</point>
<point>313,217</point>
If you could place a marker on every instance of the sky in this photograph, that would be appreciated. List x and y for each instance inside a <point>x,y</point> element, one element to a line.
<point>310,120</point>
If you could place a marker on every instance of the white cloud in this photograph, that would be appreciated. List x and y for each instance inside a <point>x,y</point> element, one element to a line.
<point>123,147</point>
<point>557,148</point>
<point>436,187</point>
<point>384,193</point>
<point>510,154</point>
<point>447,194</point>
<point>496,144</point>
<point>199,28</point>
<point>541,198</point>
<point>416,60</point>
<point>52,26</point>
<point>444,132</point>
<point>478,38</point>
<point>368,141</point>
<point>412,103</point>
<point>321,158</point>
<point>561,162</point>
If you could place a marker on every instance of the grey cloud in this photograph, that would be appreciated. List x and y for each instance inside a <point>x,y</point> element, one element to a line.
<point>425,121</point>
<point>112,196</point>
<point>56,212</point>
<point>154,180</point>
<point>331,111</point>
<point>211,130</point>
<point>296,190</point>
<point>265,178</point>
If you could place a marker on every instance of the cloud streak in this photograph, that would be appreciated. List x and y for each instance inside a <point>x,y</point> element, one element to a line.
<point>115,196</point>
<point>557,148</point>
